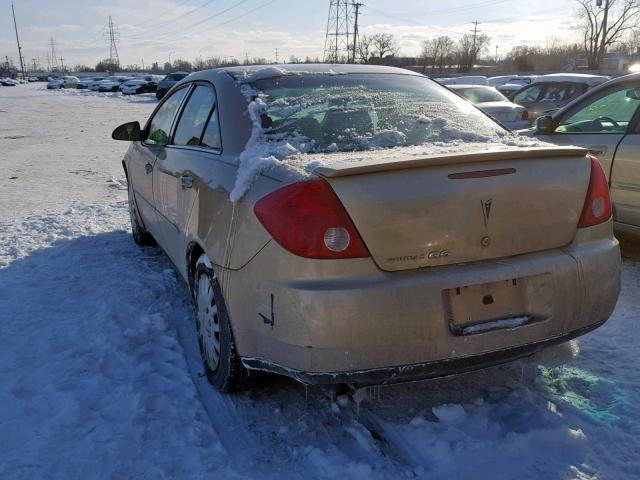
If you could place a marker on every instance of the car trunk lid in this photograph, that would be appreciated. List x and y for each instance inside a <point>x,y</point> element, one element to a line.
<point>463,207</point>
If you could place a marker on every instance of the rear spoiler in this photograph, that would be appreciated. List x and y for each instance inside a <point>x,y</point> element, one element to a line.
<point>387,160</point>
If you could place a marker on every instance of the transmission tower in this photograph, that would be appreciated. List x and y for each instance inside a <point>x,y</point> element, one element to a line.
<point>53,58</point>
<point>112,36</point>
<point>341,38</point>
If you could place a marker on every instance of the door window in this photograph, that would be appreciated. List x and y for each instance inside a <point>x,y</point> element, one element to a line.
<point>194,116</point>
<point>608,112</point>
<point>160,124</point>
<point>554,93</point>
<point>529,94</point>
<point>198,124</point>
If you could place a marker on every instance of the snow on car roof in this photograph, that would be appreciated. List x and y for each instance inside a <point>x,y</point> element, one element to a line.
<point>257,72</point>
<point>572,77</point>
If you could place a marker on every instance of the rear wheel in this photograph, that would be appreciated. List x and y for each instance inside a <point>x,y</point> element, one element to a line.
<point>138,232</point>
<point>217,348</point>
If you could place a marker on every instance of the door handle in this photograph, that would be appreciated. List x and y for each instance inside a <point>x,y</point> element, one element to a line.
<point>148,168</point>
<point>187,181</point>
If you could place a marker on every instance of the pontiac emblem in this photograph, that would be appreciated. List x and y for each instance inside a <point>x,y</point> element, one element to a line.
<point>486,210</point>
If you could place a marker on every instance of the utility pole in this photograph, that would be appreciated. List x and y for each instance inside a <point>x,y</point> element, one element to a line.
<point>603,42</point>
<point>52,56</point>
<point>246,58</point>
<point>474,52</point>
<point>24,72</point>
<point>475,34</point>
<point>356,7</point>
<point>62,64</point>
<point>112,36</point>
<point>276,55</point>
<point>338,45</point>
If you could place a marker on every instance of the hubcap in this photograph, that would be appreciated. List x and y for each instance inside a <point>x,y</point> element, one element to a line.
<point>208,323</point>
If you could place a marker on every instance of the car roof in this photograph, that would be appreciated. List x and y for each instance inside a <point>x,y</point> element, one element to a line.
<point>310,68</point>
<point>460,86</point>
<point>571,77</point>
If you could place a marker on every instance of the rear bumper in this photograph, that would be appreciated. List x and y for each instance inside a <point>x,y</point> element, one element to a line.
<point>418,371</point>
<point>336,321</point>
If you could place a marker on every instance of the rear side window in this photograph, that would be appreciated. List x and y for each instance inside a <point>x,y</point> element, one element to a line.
<point>554,93</point>
<point>160,124</point>
<point>198,125</point>
<point>529,94</point>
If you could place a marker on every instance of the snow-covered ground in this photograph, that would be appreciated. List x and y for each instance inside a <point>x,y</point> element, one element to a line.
<point>100,372</point>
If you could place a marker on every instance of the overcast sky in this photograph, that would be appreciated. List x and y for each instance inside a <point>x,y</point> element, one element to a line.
<point>154,30</point>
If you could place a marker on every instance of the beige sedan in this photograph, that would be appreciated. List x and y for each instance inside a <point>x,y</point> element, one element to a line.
<point>364,224</point>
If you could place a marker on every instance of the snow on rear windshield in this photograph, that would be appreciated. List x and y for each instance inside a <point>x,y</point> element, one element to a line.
<point>329,113</point>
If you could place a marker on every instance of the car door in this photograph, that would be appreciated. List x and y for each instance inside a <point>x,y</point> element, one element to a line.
<point>181,166</point>
<point>142,159</point>
<point>598,123</point>
<point>625,177</point>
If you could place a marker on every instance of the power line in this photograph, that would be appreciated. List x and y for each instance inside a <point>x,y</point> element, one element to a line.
<point>246,13</point>
<point>154,18</point>
<point>183,30</point>
<point>171,21</point>
<point>356,6</point>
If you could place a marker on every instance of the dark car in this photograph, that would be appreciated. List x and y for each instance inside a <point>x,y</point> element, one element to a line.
<point>169,81</point>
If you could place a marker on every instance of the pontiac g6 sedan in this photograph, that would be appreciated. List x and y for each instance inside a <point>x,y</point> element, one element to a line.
<point>364,224</point>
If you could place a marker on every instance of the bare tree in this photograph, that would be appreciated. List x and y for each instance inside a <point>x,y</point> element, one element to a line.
<point>438,51</point>
<point>363,48</point>
<point>383,45</point>
<point>469,48</point>
<point>604,25</point>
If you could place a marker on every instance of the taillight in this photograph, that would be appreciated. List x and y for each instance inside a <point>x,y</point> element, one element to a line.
<point>307,219</point>
<point>597,204</point>
<point>525,115</point>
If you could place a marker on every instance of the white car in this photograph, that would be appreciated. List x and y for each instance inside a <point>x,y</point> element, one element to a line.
<point>112,84</point>
<point>84,83</point>
<point>95,84</point>
<point>143,84</point>
<point>493,103</point>
<point>66,81</point>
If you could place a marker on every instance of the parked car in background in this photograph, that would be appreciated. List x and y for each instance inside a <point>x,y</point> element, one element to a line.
<point>144,84</point>
<point>32,79</point>
<point>515,84</point>
<point>493,103</point>
<point>112,84</point>
<point>382,263</point>
<point>84,83</point>
<point>169,81</point>
<point>468,80</point>
<point>548,93</point>
<point>8,82</point>
<point>606,121</point>
<point>66,81</point>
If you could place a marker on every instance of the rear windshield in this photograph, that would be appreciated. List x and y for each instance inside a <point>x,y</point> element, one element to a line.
<point>481,95</point>
<point>328,113</point>
<point>175,76</point>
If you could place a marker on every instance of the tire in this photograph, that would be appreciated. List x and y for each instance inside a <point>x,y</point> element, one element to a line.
<point>138,232</point>
<point>220,358</point>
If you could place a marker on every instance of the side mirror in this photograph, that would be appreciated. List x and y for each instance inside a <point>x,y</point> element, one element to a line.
<point>129,132</point>
<point>545,125</point>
